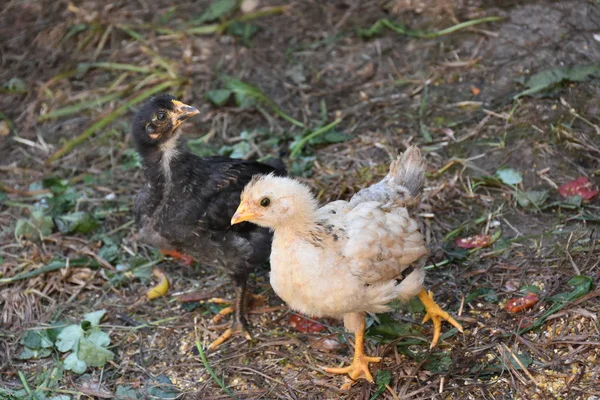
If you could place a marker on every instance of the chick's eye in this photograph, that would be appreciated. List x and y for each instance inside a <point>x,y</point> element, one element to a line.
<point>161,116</point>
<point>266,202</point>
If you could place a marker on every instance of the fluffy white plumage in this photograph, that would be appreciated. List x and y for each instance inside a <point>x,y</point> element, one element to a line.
<point>345,257</point>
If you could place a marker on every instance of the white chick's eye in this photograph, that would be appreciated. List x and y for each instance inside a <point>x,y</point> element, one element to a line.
<point>265,202</point>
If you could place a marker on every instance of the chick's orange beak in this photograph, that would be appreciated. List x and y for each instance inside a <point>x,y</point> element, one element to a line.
<point>242,214</point>
<point>182,112</point>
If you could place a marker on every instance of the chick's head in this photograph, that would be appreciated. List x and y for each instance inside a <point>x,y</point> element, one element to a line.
<point>158,120</point>
<point>272,201</point>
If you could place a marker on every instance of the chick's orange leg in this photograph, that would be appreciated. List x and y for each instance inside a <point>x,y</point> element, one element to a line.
<point>187,260</point>
<point>360,363</point>
<point>436,314</point>
<point>253,301</point>
<point>239,307</point>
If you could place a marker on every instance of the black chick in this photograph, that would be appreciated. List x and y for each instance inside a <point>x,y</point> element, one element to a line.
<point>187,201</point>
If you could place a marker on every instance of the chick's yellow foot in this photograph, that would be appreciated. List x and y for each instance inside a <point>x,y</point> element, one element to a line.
<point>254,300</point>
<point>436,314</point>
<point>187,260</point>
<point>358,369</point>
<point>236,329</point>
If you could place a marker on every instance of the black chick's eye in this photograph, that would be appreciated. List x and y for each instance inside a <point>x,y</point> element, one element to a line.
<point>266,202</point>
<point>161,116</point>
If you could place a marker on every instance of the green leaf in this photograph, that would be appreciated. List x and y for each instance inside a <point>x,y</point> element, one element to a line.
<point>330,137</point>
<point>162,387</point>
<point>93,355</point>
<point>530,289</point>
<point>34,354</point>
<point>382,379</point>
<point>548,79</point>
<point>438,363</point>
<point>239,150</point>
<point>77,222</point>
<point>391,329</point>
<point>488,294</point>
<point>218,9</point>
<point>131,160</point>
<point>125,392</point>
<point>36,227</point>
<point>219,97</point>
<point>73,363</point>
<point>531,198</point>
<point>509,176</point>
<point>37,339</point>
<point>110,250</point>
<point>243,30</point>
<point>94,317</point>
<point>413,306</point>
<point>68,338</point>
<point>200,148</point>
<point>61,397</point>
<point>99,338</point>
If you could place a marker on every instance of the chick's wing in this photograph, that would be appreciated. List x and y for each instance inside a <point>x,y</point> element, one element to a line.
<point>380,244</point>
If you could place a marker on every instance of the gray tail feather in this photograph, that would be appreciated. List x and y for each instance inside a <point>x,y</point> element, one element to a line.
<point>408,170</point>
<point>401,186</point>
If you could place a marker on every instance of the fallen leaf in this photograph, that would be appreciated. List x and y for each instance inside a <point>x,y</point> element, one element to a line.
<point>161,288</point>
<point>475,90</point>
<point>474,242</point>
<point>324,344</point>
<point>305,325</point>
<point>532,198</point>
<point>519,304</point>
<point>94,388</point>
<point>579,187</point>
<point>509,176</point>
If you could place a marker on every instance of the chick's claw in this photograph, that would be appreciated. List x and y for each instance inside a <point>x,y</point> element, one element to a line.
<point>436,315</point>
<point>236,329</point>
<point>358,369</point>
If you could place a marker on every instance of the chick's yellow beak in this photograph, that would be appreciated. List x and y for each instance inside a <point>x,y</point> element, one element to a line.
<point>242,214</point>
<point>182,112</point>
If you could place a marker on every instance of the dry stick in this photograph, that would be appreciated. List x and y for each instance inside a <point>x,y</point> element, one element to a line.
<point>104,121</point>
<point>521,365</point>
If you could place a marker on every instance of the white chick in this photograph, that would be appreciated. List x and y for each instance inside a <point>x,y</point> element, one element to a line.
<point>346,259</point>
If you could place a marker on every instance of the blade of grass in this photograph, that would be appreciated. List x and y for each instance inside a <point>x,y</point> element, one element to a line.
<point>211,372</point>
<point>77,107</point>
<point>24,382</point>
<point>118,67</point>
<point>324,129</point>
<point>102,42</point>
<point>160,61</point>
<point>135,35</point>
<point>222,27</point>
<point>248,90</point>
<point>52,266</point>
<point>402,30</point>
<point>107,119</point>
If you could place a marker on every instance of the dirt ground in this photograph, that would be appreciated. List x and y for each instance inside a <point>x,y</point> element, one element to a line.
<point>82,67</point>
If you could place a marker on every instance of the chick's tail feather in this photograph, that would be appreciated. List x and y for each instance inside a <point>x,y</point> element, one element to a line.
<point>401,185</point>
